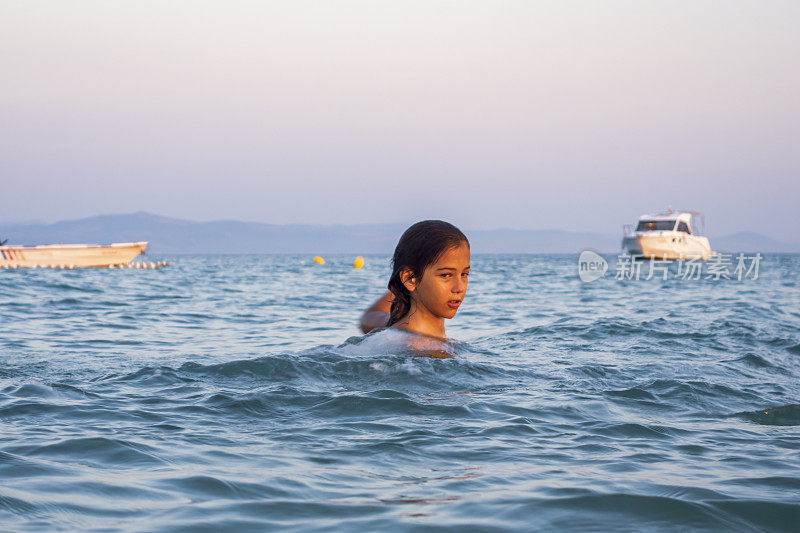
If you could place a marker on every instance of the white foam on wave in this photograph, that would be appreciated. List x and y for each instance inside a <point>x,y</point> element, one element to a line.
<point>410,367</point>
<point>388,341</point>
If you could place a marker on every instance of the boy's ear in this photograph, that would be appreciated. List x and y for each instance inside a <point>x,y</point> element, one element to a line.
<point>410,282</point>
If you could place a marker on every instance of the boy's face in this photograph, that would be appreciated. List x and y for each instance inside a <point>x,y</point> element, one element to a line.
<point>443,284</point>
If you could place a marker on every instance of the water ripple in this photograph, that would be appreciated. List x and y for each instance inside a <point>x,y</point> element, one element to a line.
<point>235,393</point>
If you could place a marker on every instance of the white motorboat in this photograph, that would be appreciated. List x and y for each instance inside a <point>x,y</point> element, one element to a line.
<point>669,235</point>
<point>70,255</point>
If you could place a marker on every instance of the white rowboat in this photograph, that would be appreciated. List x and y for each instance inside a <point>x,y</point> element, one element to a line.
<point>70,255</point>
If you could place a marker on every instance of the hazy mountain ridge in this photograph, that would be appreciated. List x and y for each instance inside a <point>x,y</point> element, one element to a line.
<point>174,236</point>
<point>748,241</point>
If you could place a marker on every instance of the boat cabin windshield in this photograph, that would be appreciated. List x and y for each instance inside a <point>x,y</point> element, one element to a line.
<point>656,225</point>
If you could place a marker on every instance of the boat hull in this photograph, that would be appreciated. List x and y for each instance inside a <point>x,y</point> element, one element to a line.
<point>667,245</point>
<point>70,255</point>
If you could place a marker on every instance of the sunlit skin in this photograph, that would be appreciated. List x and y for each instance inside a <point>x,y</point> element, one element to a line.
<point>436,294</point>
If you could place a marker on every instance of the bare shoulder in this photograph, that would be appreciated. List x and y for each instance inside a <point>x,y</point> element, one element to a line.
<point>377,315</point>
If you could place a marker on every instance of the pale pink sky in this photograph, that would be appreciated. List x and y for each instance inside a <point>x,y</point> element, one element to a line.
<point>524,114</point>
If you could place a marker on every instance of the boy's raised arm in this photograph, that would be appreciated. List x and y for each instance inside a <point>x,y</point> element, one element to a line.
<point>378,314</point>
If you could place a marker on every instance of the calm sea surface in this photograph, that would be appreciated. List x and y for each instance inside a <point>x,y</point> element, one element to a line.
<point>236,393</point>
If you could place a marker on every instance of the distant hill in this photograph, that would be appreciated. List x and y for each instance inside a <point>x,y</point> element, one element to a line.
<point>748,241</point>
<point>176,236</point>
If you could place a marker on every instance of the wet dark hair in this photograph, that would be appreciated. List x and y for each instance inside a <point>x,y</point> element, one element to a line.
<point>421,245</point>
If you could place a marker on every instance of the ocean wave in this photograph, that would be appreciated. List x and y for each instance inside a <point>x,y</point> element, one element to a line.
<point>782,415</point>
<point>233,393</point>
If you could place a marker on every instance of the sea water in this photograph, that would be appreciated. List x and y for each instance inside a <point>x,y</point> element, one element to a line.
<point>236,393</point>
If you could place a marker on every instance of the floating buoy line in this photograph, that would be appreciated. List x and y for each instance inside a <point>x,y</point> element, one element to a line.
<point>357,263</point>
<point>150,265</point>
